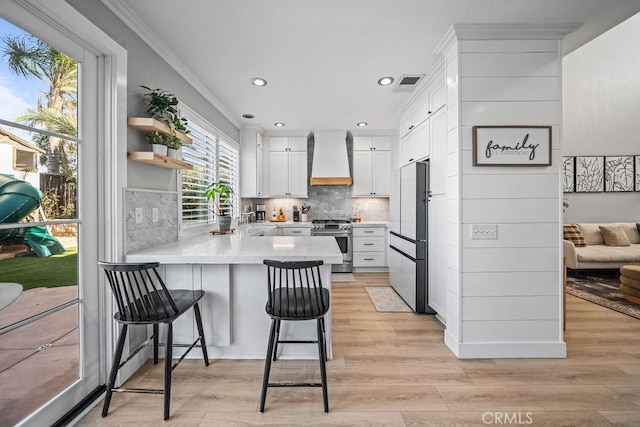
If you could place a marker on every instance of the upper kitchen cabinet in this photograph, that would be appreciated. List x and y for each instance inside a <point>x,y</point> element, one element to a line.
<point>371,165</point>
<point>288,169</point>
<point>288,143</point>
<point>377,142</point>
<point>415,127</point>
<point>251,162</point>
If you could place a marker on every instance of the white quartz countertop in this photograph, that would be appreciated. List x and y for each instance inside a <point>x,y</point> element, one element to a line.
<point>239,249</point>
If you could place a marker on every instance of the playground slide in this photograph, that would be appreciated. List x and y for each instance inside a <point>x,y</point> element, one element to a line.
<point>17,200</point>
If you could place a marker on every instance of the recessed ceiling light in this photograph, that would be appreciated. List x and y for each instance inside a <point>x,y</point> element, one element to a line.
<point>362,124</point>
<point>258,81</point>
<point>279,124</point>
<point>385,81</point>
<point>248,116</point>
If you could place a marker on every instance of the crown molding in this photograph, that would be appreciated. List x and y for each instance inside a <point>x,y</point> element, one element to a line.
<point>132,20</point>
<point>511,31</point>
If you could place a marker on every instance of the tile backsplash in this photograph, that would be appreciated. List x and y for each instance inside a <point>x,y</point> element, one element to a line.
<point>147,234</point>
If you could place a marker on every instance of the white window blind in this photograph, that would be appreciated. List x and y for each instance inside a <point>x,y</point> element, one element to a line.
<point>213,159</point>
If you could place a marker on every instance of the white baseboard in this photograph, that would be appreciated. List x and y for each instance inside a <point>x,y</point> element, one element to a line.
<point>506,350</point>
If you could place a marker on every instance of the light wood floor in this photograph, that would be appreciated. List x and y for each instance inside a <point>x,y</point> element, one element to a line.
<point>392,369</point>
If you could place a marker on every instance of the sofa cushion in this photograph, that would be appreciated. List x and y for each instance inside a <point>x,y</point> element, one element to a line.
<point>602,253</point>
<point>591,233</point>
<point>614,235</point>
<point>572,233</point>
<point>631,271</point>
<point>631,231</point>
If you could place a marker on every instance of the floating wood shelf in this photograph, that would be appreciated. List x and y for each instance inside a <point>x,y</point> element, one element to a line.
<point>152,158</point>
<point>148,124</point>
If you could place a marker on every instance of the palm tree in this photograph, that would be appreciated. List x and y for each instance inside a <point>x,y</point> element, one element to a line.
<point>33,59</point>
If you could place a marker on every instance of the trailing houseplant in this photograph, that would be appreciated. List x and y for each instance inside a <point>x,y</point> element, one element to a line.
<point>222,193</point>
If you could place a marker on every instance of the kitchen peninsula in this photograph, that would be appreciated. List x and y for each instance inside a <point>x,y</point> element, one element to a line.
<point>229,269</point>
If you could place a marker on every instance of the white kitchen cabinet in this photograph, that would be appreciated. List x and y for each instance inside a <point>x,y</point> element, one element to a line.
<point>251,163</point>
<point>296,231</point>
<point>287,143</point>
<point>407,150</point>
<point>439,158</point>
<point>414,128</point>
<point>371,173</point>
<point>369,247</point>
<point>288,166</point>
<point>422,140</point>
<point>372,142</point>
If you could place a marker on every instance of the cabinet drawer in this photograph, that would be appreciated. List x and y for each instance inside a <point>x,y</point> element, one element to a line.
<point>368,244</point>
<point>369,259</point>
<point>368,232</point>
<point>296,231</point>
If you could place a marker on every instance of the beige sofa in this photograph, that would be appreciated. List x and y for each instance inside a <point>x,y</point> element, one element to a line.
<point>596,255</point>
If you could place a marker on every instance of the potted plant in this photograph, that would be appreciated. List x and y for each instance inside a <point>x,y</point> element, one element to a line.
<point>222,192</point>
<point>173,146</point>
<point>163,106</point>
<point>158,142</point>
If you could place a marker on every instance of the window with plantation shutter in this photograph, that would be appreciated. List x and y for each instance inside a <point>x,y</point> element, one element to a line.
<point>214,158</point>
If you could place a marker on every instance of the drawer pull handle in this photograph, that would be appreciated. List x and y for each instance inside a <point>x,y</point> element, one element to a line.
<point>368,231</point>
<point>368,244</point>
<point>368,259</point>
<point>296,231</point>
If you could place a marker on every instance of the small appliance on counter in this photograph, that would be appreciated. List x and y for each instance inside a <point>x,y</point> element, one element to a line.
<point>260,213</point>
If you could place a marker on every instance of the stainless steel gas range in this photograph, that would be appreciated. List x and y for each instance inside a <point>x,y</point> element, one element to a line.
<point>342,231</point>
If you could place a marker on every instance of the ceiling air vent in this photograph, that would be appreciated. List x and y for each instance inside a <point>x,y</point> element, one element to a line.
<point>407,82</point>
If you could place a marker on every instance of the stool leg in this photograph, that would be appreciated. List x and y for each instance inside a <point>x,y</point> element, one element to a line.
<point>114,369</point>
<point>275,348</point>
<point>203,344</point>
<point>324,338</point>
<point>155,343</point>
<point>267,365</point>
<point>167,370</point>
<point>323,368</point>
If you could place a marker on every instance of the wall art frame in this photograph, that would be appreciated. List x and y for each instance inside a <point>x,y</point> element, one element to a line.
<point>568,174</point>
<point>513,145</point>
<point>589,174</point>
<point>619,174</point>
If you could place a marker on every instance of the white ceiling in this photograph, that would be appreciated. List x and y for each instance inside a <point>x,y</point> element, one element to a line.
<point>322,58</point>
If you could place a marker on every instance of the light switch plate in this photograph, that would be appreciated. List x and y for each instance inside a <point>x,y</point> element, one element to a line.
<point>484,231</point>
<point>138,215</point>
<point>154,214</point>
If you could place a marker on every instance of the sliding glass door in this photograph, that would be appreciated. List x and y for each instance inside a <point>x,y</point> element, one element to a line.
<point>50,345</point>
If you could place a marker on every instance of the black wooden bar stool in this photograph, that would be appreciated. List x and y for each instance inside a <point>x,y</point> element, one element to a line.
<point>295,293</point>
<point>143,299</point>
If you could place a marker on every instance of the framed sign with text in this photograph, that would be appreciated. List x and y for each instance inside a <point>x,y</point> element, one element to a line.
<point>512,145</point>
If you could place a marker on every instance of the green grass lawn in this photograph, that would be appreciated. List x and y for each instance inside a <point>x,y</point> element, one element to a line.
<point>35,272</point>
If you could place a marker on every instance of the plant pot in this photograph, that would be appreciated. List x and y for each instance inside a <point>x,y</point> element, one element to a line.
<point>159,149</point>
<point>224,223</point>
<point>175,154</point>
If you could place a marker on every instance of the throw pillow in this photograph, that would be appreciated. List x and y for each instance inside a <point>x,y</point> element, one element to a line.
<point>572,233</point>
<point>614,236</point>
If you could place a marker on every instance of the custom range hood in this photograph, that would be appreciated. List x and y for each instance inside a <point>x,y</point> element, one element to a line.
<point>330,164</point>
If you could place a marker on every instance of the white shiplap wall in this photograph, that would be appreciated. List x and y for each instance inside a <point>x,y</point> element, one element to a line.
<point>504,295</point>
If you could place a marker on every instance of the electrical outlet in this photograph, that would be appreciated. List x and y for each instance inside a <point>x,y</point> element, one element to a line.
<point>138,215</point>
<point>154,214</point>
<point>484,232</point>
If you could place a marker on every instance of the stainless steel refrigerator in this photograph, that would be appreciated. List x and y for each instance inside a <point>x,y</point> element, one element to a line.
<point>408,234</point>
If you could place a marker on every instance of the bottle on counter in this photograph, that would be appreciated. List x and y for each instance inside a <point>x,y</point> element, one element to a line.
<point>296,214</point>
<point>274,215</point>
